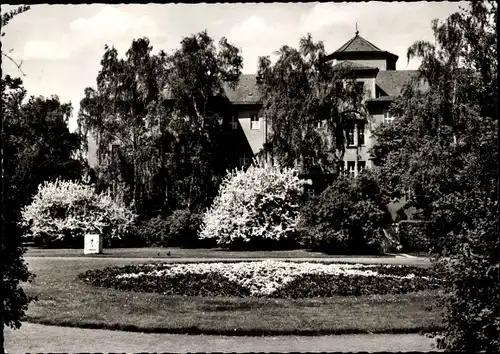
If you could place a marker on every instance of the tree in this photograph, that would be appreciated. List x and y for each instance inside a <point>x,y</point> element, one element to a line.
<point>62,212</point>
<point>115,113</point>
<point>444,147</point>
<point>299,93</point>
<point>13,268</point>
<point>196,75</point>
<point>162,114</point>
<point>347,217</point>
<point>257,207</point>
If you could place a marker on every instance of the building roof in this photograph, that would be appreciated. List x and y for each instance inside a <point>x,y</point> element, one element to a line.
<point>246,92</point>
<point>358,44</point>
<point>392,81</point>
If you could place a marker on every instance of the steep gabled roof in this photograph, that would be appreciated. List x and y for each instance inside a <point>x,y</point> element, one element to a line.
<point>358,44</point>
<point>392,81</point>
<point>360,47</point>
<point>246,92</point>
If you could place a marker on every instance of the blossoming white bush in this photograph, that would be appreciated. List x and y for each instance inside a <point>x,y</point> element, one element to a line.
<point>260,203</point>
<point>63,210</point>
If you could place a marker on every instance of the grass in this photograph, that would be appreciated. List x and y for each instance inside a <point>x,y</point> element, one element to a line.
<point>65,301</point>
<point>176,252</point>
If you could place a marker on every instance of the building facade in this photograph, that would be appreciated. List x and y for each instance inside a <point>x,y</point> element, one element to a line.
<point>372,68</point>
<point>245,131</point>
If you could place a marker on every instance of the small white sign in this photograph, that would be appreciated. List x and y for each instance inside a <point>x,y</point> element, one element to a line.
<point>93,244</point>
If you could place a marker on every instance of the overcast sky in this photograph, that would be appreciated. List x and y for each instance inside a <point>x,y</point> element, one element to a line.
<point>62,45</point>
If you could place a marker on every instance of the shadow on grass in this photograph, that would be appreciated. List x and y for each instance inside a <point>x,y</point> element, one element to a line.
<point>195,330</point>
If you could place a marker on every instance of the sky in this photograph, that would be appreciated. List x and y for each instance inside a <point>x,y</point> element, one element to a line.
<point>61,45</point>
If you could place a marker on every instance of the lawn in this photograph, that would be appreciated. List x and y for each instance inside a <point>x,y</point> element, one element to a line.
<point>64,300</point>
<point>176,252</point>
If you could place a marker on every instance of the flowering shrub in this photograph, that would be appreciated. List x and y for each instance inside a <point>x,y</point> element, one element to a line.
<point>265,278</point>
<point>253,206</point>
<point>63,211</point>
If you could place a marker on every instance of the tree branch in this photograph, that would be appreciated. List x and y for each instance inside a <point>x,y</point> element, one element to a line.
<point>15,63</point>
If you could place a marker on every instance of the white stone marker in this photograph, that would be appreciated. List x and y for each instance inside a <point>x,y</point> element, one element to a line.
<point>93,244</point>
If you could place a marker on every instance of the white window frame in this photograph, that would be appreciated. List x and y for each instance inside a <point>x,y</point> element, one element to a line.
<point>348,133</point>
<point>363,130</point>
<point>388,117</point>
<point>320,124</point>
<point>254,122</point>
<point>359,168</point>
<point>352,171</point>
<point>234,122</point>
<point>244,160</point>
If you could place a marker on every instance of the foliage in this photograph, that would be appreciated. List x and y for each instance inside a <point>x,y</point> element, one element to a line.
<point>298,93</point>
<point>347,218</point>
<point>183,228</point>
<point>413,235</point>
<point>179,229</point>
<point>188,284</point>
<point>153,231</point>
<point>155,118</point>
<point>445,149</point>
<point>63,211</point>
<point>254,206</point>
<point>472,317</point>
<point>325,285</point>
<point>14,270</point>
<point>265,278</point>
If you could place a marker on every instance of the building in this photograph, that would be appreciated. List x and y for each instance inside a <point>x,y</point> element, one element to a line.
<point>245,130</point>
<point>372,67</point>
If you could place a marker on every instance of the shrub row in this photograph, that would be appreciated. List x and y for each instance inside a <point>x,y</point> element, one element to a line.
<point>180,229</point>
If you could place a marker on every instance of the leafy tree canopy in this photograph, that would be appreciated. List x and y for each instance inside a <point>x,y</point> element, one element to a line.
<point>444,147</point>
<point>300,93</point>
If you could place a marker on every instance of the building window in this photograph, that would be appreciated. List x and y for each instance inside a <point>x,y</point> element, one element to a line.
<point>351,168</point>
<point>234,122</point>
<point>361,166</point>
<point>254,121</point>
<point>359,87</point>
<point>388,117</point>
<point>350,136</point>
<point>244,161</point>
<point>361,134</point>
<point>407,194</point>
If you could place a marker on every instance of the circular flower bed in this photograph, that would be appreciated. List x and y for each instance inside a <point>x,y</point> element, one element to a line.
<point>278,279</point>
